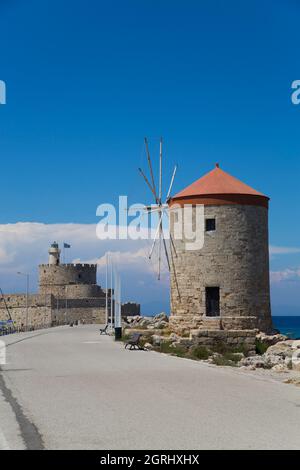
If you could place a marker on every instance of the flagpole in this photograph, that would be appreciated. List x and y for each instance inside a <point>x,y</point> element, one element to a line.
<point>106,291</point>
<point>65,245</point>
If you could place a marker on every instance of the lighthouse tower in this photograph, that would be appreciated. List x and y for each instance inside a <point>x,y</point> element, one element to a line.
<point>54,254</point>
<point>224,283</point>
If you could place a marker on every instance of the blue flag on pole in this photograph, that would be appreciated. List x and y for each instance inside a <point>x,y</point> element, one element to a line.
<point>66,245</point>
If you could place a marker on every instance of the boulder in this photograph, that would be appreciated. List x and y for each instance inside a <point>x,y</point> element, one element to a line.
<point>296,360</point>
<point>296,344</point>
<point>282,349</point>
<point>159,325</point>
<point>173,337</point>
<point>255,362</point>
<point>161,316</point>
<point>148,346</point>
<point>136,318</point>
<point>270,340</point>
<point>144,322</point>
<point>273,360</point>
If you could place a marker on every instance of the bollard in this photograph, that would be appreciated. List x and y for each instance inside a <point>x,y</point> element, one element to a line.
<point>118,333</point>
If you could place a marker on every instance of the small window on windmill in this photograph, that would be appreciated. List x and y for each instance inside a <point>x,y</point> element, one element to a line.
<point>210,225</point>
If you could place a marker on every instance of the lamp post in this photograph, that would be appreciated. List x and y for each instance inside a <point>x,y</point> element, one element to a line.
<point>27,295</point>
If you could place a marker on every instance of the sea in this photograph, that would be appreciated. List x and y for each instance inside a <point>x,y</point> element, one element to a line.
<point>289,326</point>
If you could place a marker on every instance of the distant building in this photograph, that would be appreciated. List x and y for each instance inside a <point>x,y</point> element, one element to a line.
<point>130,309</point>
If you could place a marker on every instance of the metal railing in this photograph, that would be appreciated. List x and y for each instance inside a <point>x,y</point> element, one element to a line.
<point>8,328</point>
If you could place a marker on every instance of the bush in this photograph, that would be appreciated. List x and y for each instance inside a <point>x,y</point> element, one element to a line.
<point>221,348</point>
<point>165,332</point>
<point>260,347</point>
<point>223,361</point>
<point>199,352</point>
<point>125,338</point>
<point>243,348</point>
<point>230,356</point>
<point>166,348</point>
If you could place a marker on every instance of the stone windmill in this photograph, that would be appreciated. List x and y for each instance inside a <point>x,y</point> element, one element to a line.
<point>224,284</point>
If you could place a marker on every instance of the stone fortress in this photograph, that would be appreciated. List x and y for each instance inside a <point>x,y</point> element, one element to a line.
<point>223,286</point>
<point>67,293</point>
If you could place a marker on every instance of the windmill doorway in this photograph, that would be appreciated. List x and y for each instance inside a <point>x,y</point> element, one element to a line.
<point>212,301</point>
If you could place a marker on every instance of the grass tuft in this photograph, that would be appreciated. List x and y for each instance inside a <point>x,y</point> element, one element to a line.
<point>223,361</point>
<point>199,352</point>
<point>260,347</point>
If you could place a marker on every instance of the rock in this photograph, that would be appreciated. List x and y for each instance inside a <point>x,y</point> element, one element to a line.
<point>248,367</point>
<point>270,340</point>
<point>159,325</point>
<point>296,344</point>
<point>282,349</point>
<point>238,355</point>
<point>179,346</point>
<point>156,340</point>
<point>148,346</point>
<point>255,361</point>
<point>251,367</point>
<point>136,318</point>
<point>296,360</point>
<point>293,380</point>
<point>144,322</point>
<point>173,337</point>
<point>279,368</point>
<point>273,359</point>
<point>216,355</point>
<point>161,316</point>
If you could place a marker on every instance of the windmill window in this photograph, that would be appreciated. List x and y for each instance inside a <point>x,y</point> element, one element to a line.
<point>210,225</point>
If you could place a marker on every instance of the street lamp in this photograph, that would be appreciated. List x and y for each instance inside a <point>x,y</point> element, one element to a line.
<point>27,295</point>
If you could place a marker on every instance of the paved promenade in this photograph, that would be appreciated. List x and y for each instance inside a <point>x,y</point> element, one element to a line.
<point>69,388</point>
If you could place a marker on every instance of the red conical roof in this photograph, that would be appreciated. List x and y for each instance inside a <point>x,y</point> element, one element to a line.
<point>219,187</point>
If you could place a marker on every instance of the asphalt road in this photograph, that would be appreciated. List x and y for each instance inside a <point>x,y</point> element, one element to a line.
<point>69,388</point>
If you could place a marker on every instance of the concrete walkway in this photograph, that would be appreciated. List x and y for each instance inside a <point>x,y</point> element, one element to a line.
<point>69,388</point>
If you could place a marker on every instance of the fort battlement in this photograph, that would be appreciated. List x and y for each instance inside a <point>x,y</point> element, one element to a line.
<point>66,274</point>
<point>72,264</point>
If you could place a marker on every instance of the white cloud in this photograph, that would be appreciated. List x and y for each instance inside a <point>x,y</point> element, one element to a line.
<point>287,274</point>
<point>25,245</point>
<point>283,250</point>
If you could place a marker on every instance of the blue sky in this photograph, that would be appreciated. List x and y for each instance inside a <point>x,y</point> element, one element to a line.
<point>86,81</point>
